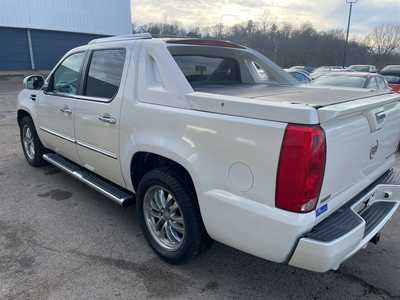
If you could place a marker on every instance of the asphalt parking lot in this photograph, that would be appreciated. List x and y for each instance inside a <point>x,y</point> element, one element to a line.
<point>61,240</point>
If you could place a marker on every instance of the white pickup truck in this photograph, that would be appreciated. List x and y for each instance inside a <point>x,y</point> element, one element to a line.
<point>216,142</point>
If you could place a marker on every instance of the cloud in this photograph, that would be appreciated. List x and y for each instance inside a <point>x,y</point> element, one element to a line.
<point>323,14</point>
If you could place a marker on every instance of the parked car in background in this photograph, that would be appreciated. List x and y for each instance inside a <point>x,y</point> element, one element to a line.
<point>360,80</point>
<point>307,69</point>
<point>363,68</point>
<point>392,75</point>
<point>300,76</point>
<point>215,141</point>
<point>324,70</point>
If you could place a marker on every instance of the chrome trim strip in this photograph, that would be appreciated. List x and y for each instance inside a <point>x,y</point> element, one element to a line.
<point>80,97</point>
<point>97,99</point>
<point>69,139</point>
<point>96,149</point>
<point>79,176</point>
<point>80,143</point>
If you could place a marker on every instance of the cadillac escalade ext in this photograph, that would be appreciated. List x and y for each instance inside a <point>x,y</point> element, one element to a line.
<point>216,142</point>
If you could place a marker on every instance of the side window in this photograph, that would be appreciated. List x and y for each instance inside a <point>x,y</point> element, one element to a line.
<point>372,84</point>
<point>105,72</point>
<point>66,78</point>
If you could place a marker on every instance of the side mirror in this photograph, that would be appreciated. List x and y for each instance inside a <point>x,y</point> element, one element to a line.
<point>33,82</point>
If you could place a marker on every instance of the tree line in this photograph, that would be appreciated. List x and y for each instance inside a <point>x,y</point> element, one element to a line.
<point>288,45</point>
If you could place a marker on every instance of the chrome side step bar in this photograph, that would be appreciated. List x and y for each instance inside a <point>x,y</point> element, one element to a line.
<point>108,189</point>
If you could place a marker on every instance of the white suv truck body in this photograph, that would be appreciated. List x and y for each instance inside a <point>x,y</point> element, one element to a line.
<point>229,141</point>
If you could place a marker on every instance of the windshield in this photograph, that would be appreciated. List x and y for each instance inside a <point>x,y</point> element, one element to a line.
<point>394,68</point>
<point>341,80</point>
<point>359,68</point>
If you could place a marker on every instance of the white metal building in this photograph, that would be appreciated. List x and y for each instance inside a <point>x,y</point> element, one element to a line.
<point>34,34</point>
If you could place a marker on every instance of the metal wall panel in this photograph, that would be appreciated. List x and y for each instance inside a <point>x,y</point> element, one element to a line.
<point>108,17</point>
<point>14,50</point>
<point>50,46</point>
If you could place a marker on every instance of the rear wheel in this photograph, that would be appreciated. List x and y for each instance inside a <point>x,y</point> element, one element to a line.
<point>31,145</point>
<point>169,217</point>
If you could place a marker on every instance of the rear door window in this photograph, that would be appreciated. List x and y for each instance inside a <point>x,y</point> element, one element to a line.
<point>201,70</point>
<point>105,72</point>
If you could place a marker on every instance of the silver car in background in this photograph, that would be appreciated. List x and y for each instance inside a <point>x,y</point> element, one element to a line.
<point>371,81</point>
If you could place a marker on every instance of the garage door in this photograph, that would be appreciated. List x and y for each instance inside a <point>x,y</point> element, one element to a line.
<point>14,50</point>
<point>50,46</point>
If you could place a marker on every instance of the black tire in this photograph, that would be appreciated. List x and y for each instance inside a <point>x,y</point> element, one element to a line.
<point>196,239</point>
<point>35,160</point>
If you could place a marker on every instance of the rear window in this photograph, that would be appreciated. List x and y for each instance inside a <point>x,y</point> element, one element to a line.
<point>344,81</point>
<point>204,70</point>
<point>392,79</point>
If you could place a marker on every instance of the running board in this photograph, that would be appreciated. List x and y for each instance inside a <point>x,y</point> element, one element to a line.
<point>108,189</point>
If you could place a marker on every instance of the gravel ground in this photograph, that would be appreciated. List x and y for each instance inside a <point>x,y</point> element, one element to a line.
<point>61,240</point>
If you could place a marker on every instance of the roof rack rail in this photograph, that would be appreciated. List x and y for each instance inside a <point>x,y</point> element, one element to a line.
<point>121,38</point>
<point>204,42</point>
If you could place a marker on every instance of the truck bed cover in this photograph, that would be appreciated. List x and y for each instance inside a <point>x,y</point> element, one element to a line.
<point>316,97</point>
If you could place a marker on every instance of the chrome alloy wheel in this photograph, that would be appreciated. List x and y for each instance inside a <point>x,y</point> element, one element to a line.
<point>29,144</point>
<point>164,218</point>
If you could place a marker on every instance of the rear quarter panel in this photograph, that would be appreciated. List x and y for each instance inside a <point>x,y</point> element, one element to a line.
<point>233,164</point>
<point>235,154</point>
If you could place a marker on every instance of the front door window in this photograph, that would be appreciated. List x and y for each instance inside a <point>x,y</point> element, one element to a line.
<point>66,78</point>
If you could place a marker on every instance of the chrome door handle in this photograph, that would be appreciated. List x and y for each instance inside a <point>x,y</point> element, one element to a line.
<point>380,117</point>
<point>106,118</point>
<point>66,110</point>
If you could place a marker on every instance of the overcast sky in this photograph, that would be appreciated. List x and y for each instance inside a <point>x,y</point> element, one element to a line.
<point>323,14</point>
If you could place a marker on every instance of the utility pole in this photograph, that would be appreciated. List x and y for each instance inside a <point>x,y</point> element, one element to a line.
<point>351,2</point>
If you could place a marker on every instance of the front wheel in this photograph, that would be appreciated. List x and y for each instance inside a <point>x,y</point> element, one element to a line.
<point>169,217</point>
<point>31,145</point>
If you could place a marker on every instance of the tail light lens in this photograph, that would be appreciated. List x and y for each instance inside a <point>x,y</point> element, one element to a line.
<point>301,168</point>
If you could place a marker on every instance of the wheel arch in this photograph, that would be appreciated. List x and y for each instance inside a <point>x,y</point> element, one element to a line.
<point>21,113</point>
<point>144,161</point>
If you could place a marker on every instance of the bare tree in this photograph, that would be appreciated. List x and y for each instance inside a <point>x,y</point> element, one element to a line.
<point>217,30</point>
<point>289,45</point>
<point>384,39</point>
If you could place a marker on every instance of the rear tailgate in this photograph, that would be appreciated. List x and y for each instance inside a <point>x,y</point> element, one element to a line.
<point>362,138</point>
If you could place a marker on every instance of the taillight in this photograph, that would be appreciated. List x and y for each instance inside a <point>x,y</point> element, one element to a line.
<point>301,168</point>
